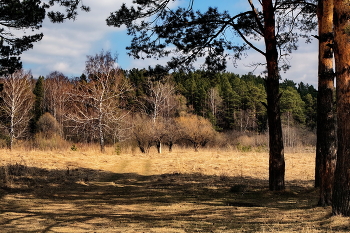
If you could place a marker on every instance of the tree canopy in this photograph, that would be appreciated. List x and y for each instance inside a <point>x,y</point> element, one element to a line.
<point>20,22</point>
<point>188,35</point>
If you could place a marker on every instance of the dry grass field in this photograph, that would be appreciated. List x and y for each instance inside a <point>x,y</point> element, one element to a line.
<point>182,191</point>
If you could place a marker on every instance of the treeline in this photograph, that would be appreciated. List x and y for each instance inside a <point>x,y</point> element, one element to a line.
<point>107,105</point>
<point>231,101</point>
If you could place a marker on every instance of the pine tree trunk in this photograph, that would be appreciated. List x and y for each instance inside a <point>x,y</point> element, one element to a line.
<point>276,160</point>
<point>341,191</point>
<point>326,135</point>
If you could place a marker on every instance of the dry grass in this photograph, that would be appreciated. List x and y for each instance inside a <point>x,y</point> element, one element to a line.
<point>182,191</point>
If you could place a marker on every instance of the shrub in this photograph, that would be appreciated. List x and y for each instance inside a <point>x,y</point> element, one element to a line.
<point>41,142</point>
<point>48,126</point>
<point>74,147</point>
<point>198,130</point>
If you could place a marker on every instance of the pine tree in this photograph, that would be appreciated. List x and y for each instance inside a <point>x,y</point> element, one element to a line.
<point>27,15</point>
<point>38,107</point>
<point>326,132</point>
<point>341,191</point>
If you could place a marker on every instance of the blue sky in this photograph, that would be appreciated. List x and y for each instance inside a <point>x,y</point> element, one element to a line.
<point>65,46</point>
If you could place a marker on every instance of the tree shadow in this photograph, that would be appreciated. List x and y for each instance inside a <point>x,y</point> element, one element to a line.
<point>88,200</point>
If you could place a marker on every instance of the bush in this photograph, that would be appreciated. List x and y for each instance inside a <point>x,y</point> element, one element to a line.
<point>42,142</point>
<point>143,132</point>
<point>198,130</point>
<point>48,126</point>
<point>74,148</point>
<point>49,134</point>
<point>4,141</point>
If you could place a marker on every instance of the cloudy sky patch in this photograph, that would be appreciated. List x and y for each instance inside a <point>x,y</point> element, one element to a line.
<point>65,46</point>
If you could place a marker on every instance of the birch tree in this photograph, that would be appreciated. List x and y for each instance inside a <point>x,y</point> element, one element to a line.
<point>162,101</point>
<point>214,102</point>
<point>56,89</point>
<point>16,104</point>
<point>97,103</point>
<point>160,98</point>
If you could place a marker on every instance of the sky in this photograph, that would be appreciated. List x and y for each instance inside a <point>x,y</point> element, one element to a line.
<point>65,46</point>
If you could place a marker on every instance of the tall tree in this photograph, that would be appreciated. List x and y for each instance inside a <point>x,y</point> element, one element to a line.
<point>214,102</point>
<point>16,104</point>
<point>18,15</point>
<point>276,160</point>
<point>27,15</point>
<point>38,107</point>
<point>326,133</point>
<point>57,86</point>
<point>292,104</point>
<point>292,108</point>
<point>161,99</point>
<point>341,190</point>
<point>230,102</point>
<point>97,103</point>
<point>197,34</point>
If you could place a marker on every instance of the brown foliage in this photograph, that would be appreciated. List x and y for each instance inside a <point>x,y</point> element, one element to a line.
<point>48,126</point>
<point>198,130</point>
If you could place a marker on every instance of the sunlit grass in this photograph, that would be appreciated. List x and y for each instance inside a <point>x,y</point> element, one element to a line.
<point>182,191</point>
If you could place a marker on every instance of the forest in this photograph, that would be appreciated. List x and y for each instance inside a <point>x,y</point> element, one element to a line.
<point>148,107</point>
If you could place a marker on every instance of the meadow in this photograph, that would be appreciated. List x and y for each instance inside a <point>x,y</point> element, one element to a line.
<point>182,191</point>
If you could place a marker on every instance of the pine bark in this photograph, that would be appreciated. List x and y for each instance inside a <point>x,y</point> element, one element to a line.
<point>276,154</point>
<point>326,133</point>
<point>341,191</point>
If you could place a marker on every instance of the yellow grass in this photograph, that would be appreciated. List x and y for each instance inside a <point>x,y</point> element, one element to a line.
<point>182,191</point>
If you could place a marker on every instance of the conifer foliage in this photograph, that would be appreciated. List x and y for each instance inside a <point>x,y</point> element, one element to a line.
<point>28,16</point>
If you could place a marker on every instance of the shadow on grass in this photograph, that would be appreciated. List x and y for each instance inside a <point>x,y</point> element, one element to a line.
<point>86,200</point>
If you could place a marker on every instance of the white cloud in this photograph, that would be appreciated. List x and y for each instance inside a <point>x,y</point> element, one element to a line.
<point>62,66</point>
<point>70,42</point>
<point>303,64</point>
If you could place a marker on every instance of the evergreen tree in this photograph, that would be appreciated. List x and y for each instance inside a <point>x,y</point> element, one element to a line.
<point>27,15</point>
<point>230,102</point>
<point>38,107</point>
<point>310,111</point>
<point>341,190</point>
<point>138,79</point>
<point>326,128</point>
<point>256,96</point>
<point>288,83</point>
<point>292,104</point>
